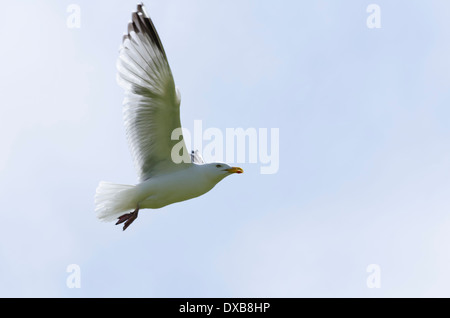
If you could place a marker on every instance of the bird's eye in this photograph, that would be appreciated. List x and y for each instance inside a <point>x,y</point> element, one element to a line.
<point>218,166</point>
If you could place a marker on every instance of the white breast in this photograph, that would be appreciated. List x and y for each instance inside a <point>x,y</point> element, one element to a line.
<point>174,187</point>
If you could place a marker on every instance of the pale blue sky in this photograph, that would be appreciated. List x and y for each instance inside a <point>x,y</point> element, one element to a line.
<point>364,173</point>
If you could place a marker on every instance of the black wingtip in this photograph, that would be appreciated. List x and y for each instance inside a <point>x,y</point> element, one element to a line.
<point>141,9</point>
<point>142,23</point>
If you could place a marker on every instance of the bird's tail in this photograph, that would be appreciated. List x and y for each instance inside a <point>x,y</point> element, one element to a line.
<point>112,200</point>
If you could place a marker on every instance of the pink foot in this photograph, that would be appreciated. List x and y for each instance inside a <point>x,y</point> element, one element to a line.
<point>128,218</point>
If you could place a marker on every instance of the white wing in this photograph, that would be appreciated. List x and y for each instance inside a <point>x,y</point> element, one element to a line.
<point>152,103</point>
<point>196,157</point>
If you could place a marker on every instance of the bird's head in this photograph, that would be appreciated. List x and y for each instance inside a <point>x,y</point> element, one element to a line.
<point>219,170</point>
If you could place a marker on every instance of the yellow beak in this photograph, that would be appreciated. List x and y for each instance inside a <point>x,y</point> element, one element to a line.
<point>235,170</point>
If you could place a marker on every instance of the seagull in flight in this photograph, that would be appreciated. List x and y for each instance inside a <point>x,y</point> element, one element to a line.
<point>151,114</point>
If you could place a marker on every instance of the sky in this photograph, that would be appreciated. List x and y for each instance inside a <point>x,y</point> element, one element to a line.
<point>363,180</point>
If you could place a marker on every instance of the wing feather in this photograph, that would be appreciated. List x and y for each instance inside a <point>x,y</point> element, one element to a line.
<point>152,103</point>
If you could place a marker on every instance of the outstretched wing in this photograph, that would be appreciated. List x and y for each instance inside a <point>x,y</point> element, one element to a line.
<point>152,103</point>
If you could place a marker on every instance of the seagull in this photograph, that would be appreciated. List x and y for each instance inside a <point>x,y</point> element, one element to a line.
<point>151,111</point>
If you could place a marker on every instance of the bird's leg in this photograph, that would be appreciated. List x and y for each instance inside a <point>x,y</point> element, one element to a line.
<point>128,218</point>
